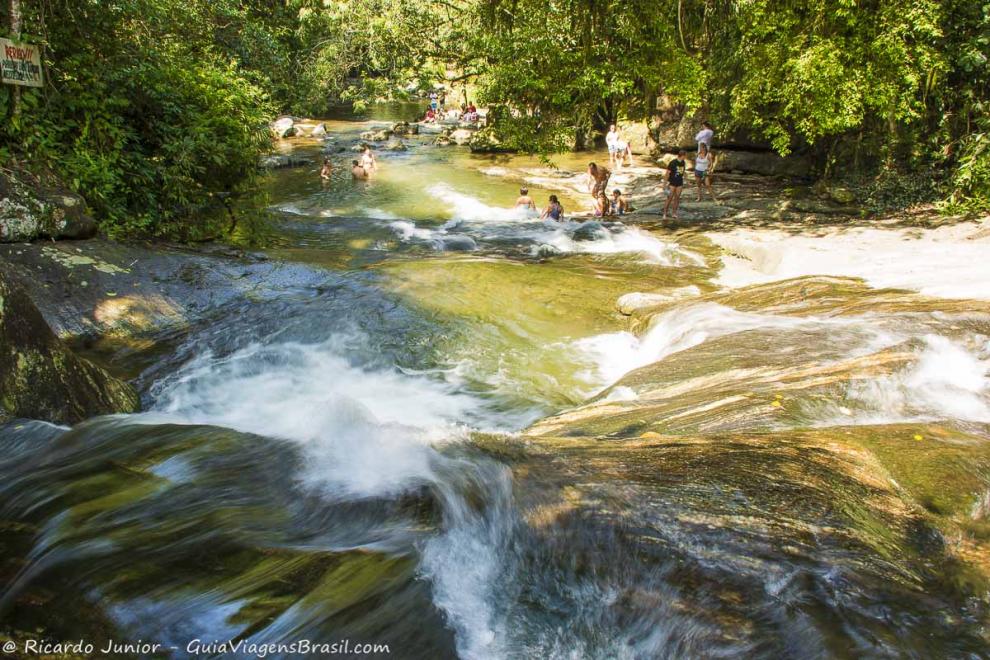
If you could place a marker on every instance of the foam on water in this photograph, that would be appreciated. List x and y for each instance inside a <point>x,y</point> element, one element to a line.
<point>367,432</point>
<point>613,355</point>
<point>948,262</point>
<point>948,381</point>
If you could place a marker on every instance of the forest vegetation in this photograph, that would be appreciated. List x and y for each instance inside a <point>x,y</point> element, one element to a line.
<point>156,111</point>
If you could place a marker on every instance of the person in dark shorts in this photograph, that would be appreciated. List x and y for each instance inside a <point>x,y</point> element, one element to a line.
<point>675,179</point>
<point>597,179</point>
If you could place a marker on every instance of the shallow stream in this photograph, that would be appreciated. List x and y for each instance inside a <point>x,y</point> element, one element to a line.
<point>458,446</point>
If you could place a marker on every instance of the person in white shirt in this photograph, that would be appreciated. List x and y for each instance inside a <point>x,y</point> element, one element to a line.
<point>705,135</point>
<point>702,171</point>
<point>611,141</point>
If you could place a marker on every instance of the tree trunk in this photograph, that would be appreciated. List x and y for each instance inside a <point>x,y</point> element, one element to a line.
<point>15,32</point>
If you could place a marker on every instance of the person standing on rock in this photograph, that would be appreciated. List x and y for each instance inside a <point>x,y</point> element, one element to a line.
<point>597,179</point>
<point>611,138</point>
<point>702,171</point>
<point>705,135</point>
<point>675,179</point>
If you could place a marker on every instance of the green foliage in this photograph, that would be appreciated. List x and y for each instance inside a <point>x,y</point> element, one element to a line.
<point>144,114</point>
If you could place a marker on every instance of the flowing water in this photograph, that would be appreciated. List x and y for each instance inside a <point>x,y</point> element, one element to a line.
<point>456,446</point>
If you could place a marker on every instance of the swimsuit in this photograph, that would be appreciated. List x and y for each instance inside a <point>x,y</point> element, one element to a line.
<point>555,212</point>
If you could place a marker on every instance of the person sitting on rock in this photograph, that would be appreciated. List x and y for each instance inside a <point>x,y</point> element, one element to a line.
<point>357,171</point>
<point>603,206</point>
<point>620,205</point>
<point>430,117</point>
<point>326,170</point>
<point>525,200</point>
<point>597,179</point>
<point>553,211</point>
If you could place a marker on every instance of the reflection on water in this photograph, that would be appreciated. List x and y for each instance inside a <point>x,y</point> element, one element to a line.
<point>788,470</point>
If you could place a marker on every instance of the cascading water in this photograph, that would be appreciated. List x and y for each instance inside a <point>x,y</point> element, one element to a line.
<point>354,458</point>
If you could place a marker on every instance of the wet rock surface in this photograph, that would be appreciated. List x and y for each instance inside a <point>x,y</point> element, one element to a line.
<point>40,378</point>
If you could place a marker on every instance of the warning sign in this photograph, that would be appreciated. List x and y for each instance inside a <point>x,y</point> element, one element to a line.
<point>20,63</point>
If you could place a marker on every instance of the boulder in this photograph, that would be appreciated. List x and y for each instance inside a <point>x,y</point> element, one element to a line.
<point>485,141</point>
<point>590,231</point>
<point>461,136</point>
<point>457,243</point>
<point>405,128</point>
<point>280,161</point>
<point>842,195</point>
<point>396,145</point>
<point>766,163</point>
<point>284,127</point>
<point>32,209</point>
<point>638,135</point>
<point>377,136</point>
<point>319,130</point>
<point>40,378</point>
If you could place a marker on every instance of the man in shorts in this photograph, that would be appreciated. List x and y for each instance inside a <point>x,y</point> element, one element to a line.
<point>598,177</point>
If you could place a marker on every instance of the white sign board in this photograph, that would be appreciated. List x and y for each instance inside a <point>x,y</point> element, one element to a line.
<point>20,63</point>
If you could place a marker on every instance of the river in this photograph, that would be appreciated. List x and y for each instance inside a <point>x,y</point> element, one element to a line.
<point>457,446</point>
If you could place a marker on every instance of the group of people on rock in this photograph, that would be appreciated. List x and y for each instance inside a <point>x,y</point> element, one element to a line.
<point>677,167</point>
<point>437,110</point>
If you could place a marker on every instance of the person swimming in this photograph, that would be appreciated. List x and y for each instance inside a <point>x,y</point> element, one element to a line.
<point>525,200</point>
<point>326,170</point>
<point>357,171</point>
<point>553,211</point>
<point>368,161</point>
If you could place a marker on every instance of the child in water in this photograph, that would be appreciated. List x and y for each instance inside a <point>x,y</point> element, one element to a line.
<point>326,170</point>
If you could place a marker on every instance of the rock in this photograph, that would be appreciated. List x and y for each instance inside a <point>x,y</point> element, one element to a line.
<point>547,250</point>
<point>631,302</point>
<point>40,378</point>
<point>358,148</point>
<point>396,145</point>
<point>461,136</point>
<point>590,231</point>
<point>637,134</point>
<point>280,161</point>
<point>458,243</point>
<point>842,195</point>
<point>284,127</point>
<point>485,141</point>
<point>30,209</point>
<point>319,131</point>
<point>405,128</point>
<point>376,136</point>
<point>443,141</point>
<point>767,163</point>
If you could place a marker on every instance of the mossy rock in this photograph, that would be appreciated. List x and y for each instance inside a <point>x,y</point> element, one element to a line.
<point>40,377</point>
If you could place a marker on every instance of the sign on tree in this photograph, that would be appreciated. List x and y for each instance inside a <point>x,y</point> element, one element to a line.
<point>20,63</point>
